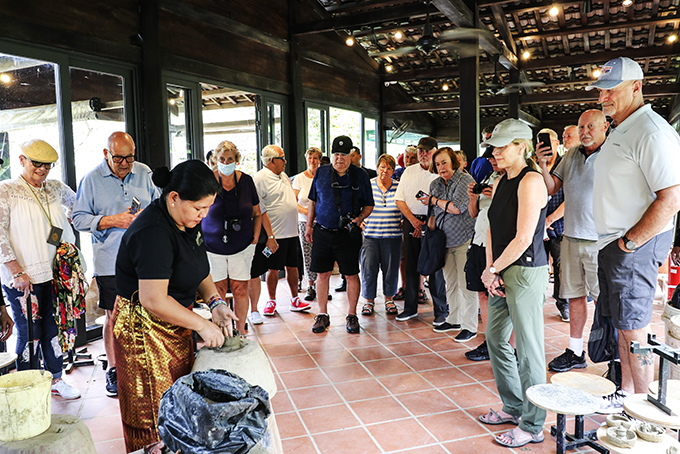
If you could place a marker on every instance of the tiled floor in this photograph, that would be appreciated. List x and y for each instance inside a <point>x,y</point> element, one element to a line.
<point>396,387</point>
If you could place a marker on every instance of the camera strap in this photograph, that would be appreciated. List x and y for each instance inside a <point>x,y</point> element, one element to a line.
<point>336,190</point>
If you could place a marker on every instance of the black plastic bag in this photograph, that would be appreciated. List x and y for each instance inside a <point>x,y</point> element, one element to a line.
<point>603,344</point>
<point>213,411</point>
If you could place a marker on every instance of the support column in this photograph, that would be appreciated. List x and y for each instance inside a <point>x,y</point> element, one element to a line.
<point>297,115</point>
<point>469,107</point>
<point>513,98</point>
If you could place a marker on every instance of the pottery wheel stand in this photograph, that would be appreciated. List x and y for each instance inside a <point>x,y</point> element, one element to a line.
<point>667,355</point>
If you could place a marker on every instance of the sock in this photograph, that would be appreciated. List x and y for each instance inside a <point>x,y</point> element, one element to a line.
<point>576,346</point>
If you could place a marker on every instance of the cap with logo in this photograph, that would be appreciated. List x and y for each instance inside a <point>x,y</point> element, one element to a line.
<point>39,151</point>
<point>342,145</point>
<point>508,130</point>
<point>617,71</point>
<point>428,143</point>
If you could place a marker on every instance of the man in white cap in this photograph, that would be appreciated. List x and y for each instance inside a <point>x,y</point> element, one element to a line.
<point>636,193</point>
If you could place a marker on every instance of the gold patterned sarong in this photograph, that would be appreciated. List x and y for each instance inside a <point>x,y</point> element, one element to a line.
<point>150,355</point>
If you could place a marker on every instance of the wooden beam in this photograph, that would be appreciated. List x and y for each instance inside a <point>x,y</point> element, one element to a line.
<point>433,73</point>
<point>503,28</point>
<point>363,6</point>
<point>332,62</point>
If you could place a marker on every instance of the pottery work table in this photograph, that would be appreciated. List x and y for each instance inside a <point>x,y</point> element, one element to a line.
<point>7,358</point>
<point>592,384</point>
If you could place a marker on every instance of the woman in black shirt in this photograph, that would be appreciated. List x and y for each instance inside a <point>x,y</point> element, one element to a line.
<point>161,264</point>
<point>516,277</point>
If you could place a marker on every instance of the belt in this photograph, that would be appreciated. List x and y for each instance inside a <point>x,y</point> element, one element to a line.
<point>327,229</point>
<point>422,217</point>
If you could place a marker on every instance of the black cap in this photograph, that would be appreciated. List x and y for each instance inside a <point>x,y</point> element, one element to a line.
<point>428,143</point>
<point>342,145</point>
<point>488,153</point>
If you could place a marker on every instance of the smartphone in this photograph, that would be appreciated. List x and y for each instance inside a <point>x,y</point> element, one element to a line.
<point>544,141</point>
<point>421,194</point>
<point>135,205</point>
<point>267,252</point>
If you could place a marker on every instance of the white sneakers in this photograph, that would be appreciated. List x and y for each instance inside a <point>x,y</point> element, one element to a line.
<point>63,389</point>
<point>256,318</point>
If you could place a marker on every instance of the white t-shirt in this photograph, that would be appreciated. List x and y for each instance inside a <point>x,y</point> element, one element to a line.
<point>482,222</point>
<point>302,183</point>
<point>277,194</point>
<point>414,179</point>
<point>640,157</point>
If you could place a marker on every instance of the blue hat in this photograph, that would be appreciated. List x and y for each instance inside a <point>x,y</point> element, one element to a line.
<point>617,71</point>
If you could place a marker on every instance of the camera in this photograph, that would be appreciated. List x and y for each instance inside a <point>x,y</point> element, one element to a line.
<point>346,223</point>
<point>479,187</point>
<point>232,225</point>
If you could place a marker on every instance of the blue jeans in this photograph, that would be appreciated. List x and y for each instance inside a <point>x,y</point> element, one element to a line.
<point>44,329</point>
<point>380,254</point>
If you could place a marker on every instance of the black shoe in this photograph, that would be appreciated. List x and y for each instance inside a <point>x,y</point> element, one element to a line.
<point>343,286</point>
<point>111,382</point>
<point>563,307</point>
<point>311,294</point>
<point>330,297</point>
<point>402,317</point>
<point>352,324</point>
<point>481,353</point>
<point>446,326</point>
<point>568,361</point>
<point>465,336</point>
<point>321,323</point>
<point>439,320</point>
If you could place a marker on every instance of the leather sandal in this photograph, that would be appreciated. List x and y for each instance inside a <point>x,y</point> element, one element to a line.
<point>367,309</point>
<point>391,308</point>
<point>535,438</point>
<point>493,418</point>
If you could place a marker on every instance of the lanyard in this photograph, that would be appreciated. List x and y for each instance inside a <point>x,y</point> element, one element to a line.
<point>47,213</point>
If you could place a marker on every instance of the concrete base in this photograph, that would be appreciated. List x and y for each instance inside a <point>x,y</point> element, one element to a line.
<point>67,435</point>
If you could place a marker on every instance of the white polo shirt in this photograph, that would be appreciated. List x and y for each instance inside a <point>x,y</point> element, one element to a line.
<point>640,157</point>
<point>277,194</point>
<point>414,179</point>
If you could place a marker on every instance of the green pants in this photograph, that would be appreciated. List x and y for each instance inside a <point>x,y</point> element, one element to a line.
<point>521,309</point>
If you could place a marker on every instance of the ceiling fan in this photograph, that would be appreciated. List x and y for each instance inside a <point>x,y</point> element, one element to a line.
<point>458,39</point>
<point>497,87</point>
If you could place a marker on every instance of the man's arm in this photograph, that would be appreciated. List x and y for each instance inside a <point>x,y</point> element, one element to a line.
<point>554,216</point>
<point>415,222</point>
<point>657,216</point>
<point>309,228</point>
<point>551,181</point>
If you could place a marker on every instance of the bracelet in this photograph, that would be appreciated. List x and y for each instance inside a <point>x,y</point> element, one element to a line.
<point>215,301</point>
<point>19,274</point>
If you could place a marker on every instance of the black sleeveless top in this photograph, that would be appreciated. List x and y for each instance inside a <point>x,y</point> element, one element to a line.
<point>503,222</point>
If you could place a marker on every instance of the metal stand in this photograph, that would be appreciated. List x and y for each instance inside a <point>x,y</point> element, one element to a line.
<point>76,359</point>
<point>31,341</point>
<point>666,354</point>
<point>580,438</point>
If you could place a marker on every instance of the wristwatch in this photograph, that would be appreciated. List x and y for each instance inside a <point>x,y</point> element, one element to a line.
<point>628,243</point>
<point>271,237</point>
<point>493,269</point>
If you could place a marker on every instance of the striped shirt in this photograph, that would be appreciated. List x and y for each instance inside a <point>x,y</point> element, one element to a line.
<point>385,218</point>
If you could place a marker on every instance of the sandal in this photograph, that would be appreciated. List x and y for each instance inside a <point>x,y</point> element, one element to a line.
<point>493,418</point>
<point>422,297</point>
<point>535,438</point>
<point>391,308</point>
<point>367,309</point>
<point>399,296</point>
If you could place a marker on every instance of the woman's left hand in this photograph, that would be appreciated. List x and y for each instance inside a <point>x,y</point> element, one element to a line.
<point>424,200</point>
<point>222,316</point>
<point>493,283</point>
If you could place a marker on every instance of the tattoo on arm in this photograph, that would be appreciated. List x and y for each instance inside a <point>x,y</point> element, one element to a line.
<point>646,358</point>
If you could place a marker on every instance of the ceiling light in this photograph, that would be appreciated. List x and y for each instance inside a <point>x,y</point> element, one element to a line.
<point>627,2</point>
<point>349,41</point>
<point>399,36</point>
<point>181,93</point>
<point>554,11</point>
<point>388,68</point>
<point>5,79</point>
<point>526,55</point>
<point>596,73</point>
<point>445,87</point>
<point>172,102</point>
<point>671,39</point>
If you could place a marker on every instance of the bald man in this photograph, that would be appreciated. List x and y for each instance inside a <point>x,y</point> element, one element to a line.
<point>103,209</point>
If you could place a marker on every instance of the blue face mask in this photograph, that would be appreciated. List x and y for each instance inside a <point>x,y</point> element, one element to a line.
<point>226,169</point>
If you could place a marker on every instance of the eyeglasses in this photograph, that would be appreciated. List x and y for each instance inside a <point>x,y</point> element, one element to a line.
<point>279,157</point>
<point>38,164</point>
<point>119,159</point>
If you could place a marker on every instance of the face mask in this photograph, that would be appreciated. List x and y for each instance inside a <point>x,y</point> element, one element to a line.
<point>226,169</point>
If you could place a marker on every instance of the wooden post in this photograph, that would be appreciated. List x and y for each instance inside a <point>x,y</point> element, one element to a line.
<point>469,107</point>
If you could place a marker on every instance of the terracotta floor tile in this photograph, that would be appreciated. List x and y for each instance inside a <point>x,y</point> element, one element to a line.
<point>474,395</point>
<point>325,419</point>
<point>452,425</point>
<point>281,402</point>
<point>426,361</point>
<point>369,388</point>
<point>383,367</point>
<point>349,441</point>
<point>97,407</point>
<point>292,349</point>
<point>299,445</point>
<point>326,344</point>
<point>279,337</point>
<point>346,372</point>
<point>426,402</point>
<point>289,425</point>
<point>485,444</point>
<point>353,341</point>
<point>408,348</point>
<point>371,353</point>
<point>432,449</point>
<point>405,383</point>
<point>293,363</point>
<point>393,337</point>
<point>111,446</point>
<point>441,344</point>
<point>379,410</point>
<point>442,378</point>
<point>304,378</point>
<point>402,434</point>
<point>105,428</point>
<point>480,371</point>
<point>334,357</point>
<point>314,396</point>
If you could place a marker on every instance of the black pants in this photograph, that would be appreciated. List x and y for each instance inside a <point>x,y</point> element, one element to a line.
<point>553,246</point>
<point>412,278</point>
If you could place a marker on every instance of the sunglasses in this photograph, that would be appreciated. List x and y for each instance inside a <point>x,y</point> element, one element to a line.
<point>279,157</point>
<point>119,159</point>
<point>38,164</point>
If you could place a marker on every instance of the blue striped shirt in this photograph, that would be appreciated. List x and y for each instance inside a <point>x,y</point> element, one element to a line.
<point>385,217</point>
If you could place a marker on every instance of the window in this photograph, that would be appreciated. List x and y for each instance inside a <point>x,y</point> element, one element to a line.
<point>316,128</point>
<point>370,149</point>
<point>345,123</point>
<point>178,133</point>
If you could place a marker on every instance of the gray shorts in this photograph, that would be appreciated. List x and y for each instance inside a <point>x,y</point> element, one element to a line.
<point>628,281</point>
<point>578,273</point>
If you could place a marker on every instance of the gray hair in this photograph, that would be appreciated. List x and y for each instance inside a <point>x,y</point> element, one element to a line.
<point>411,150</point>
<point>269,152</point>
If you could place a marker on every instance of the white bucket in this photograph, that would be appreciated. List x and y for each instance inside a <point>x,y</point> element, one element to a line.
<point>673,341</point>
<point>25,404</point>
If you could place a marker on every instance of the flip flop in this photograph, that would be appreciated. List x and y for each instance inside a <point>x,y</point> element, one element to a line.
<point>498,419</point>
<point>535,438</point>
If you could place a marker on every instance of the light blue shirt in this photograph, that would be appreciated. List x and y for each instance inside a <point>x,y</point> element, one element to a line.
<point>101,193</point>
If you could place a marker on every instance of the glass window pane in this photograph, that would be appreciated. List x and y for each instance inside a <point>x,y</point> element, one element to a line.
<point>180,148</point>
<point>28,110</point>
<point>314,128</point>
<point>98,111</point>
<point>274,126</point>
<point>346,123</point>
<point>229,114</point>
<point>370,143</point>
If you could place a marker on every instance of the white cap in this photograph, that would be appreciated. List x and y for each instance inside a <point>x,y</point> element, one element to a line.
<point>617,71</point>
<point>508,130</point>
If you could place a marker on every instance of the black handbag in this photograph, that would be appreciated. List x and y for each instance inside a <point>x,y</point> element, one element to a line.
<point>603,342</point>
<point>433,246</point>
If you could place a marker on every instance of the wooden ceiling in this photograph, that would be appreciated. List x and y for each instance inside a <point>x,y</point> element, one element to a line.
<point>563,51</point>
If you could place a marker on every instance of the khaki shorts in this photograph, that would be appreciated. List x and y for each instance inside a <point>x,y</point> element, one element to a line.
<point>578,276</point>
<point>235,266</point>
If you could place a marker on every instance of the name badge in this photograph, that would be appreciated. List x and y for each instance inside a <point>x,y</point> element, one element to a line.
<point>55,236</point>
